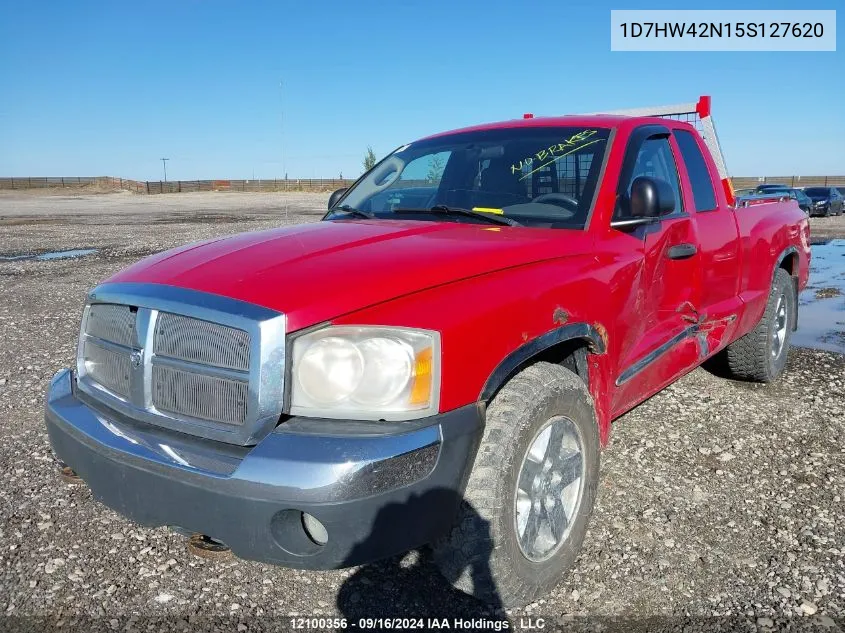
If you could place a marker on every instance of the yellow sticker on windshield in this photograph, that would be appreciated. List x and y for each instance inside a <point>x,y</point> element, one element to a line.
<point>488,210</point>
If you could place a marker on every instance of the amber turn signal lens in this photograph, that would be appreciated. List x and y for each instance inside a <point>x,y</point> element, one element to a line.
<point>421,387</point>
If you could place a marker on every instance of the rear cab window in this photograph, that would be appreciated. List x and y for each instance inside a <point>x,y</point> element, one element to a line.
<point>703,193</point>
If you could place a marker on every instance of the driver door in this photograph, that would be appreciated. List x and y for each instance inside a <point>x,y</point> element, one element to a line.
<point>663,341</point>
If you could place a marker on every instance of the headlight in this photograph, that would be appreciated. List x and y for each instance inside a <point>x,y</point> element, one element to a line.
<point>366,373</point>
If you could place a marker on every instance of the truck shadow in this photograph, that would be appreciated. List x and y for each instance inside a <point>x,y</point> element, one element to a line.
<point>411,585</point>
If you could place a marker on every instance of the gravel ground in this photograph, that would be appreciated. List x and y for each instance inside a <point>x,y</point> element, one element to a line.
<point>720,503</point>
<point>827,228</point>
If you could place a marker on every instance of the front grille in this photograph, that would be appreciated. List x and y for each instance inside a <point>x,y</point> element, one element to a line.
<point>112,323</point>
<point>109,368</point>
<point>107,345</point>
<point>201,342</point>
<point>184,360</point>
<point>185,393</point>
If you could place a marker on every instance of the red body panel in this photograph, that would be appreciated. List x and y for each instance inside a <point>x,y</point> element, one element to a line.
<point>316,272</point>
<point>490,290</point>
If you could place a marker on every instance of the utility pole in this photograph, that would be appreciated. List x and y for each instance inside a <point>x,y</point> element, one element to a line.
<point>164,163</point>
<point>282,126</point>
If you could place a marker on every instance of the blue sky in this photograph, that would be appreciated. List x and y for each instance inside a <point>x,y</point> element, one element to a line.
<point>236,89</point>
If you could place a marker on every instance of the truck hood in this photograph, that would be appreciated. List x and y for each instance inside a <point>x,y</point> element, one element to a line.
<point>319,271</point>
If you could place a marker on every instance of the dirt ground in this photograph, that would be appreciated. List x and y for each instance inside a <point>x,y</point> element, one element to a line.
<point>720,504</point>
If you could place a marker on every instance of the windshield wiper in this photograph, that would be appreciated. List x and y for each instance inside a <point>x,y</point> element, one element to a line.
<point>345,208</point>
<point>447,210</point>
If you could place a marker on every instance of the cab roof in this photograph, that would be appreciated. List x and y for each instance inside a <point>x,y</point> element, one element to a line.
<point>572,120</point>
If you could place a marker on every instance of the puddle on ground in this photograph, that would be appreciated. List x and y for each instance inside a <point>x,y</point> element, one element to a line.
<point>76,252</point>
<point>821,313</point>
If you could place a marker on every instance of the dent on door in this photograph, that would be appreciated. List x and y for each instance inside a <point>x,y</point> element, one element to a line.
<point>670,290</point>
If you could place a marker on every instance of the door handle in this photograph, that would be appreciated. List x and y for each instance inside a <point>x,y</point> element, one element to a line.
<point>681,251</point>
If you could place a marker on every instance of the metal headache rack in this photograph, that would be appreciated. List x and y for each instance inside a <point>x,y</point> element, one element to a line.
<point>699,116</point>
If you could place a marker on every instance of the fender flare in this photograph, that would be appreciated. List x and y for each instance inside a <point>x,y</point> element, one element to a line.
<point>520,355</point>
<point>789,250</point>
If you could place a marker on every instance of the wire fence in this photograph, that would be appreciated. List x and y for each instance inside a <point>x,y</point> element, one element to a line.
<point>174,186</point>
<point>305,184</point>
<point>749,182</point>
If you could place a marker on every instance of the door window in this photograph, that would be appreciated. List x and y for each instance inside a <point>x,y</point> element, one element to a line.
<point>655,160</point>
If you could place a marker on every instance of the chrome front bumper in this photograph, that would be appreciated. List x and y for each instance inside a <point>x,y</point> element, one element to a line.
<point>378,488</point>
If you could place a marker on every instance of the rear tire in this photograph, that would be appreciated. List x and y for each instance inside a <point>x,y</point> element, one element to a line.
<point>761,354</point>
<point>521,525</point>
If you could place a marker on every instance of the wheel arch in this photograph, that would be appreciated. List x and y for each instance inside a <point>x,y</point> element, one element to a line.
<point>788,261</point>
<point>567,345</point>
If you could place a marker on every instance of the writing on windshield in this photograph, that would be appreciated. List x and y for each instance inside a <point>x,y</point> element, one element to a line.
<point>553,152</point>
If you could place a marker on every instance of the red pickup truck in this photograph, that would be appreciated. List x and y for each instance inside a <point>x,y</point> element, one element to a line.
<point>439,360</point>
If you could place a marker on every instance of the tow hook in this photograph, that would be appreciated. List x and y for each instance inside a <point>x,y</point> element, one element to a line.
<point>206,547</point>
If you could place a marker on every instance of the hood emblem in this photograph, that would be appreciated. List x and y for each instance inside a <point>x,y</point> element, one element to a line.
<point>135,359</point>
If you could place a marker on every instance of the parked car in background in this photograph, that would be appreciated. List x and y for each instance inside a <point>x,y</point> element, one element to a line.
<point>826,200</point>
<point>771,188</point>
<point>741,193</point>
<point>804,201</point>
<point>765,193</point>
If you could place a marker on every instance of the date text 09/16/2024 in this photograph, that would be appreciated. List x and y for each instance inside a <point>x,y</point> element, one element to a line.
<point>523,623</point>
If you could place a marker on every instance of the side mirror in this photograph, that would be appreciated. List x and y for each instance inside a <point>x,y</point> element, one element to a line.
<point>337,195</point>
<point>651,198</point>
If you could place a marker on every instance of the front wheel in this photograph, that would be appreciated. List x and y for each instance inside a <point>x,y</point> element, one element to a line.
<point>531,490</point>
<point>761,354</point>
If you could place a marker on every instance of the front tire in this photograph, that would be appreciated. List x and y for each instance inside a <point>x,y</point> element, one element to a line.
<point>530,493</point>
<point>761,354</point>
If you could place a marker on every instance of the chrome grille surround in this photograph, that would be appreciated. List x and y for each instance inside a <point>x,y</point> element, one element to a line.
<point>199,363</point>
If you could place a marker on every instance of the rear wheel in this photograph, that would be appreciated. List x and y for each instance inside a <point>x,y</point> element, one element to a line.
<point>531,490</point>
<point>761,354</point>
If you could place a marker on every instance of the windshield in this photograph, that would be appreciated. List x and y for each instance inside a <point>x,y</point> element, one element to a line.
<point>818,192</point>
<point>537,176</point>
